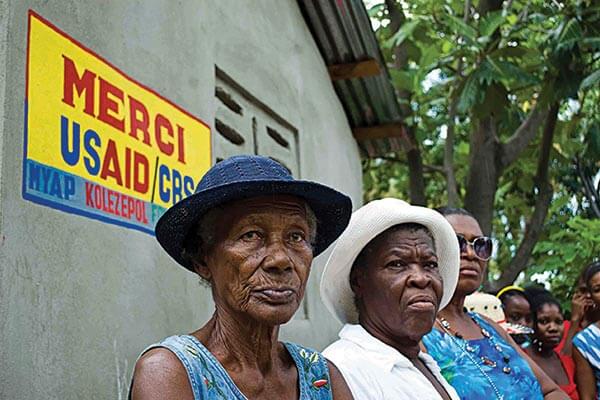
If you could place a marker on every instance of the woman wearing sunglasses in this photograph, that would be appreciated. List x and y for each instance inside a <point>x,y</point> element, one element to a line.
<point>476,356</point>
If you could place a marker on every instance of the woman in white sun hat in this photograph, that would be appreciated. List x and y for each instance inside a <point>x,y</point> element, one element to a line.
<point>390,271</point>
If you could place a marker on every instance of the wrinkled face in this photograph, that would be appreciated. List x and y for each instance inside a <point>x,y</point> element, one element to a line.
<point>518,311</point>
<point>594,287</point>
<point>259,264</point>
<point>471,268</point>
<point>399,287</point>
<point>549,327</point>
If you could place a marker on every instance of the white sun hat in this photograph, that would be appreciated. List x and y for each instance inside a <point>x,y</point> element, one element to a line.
<point>365,224</point>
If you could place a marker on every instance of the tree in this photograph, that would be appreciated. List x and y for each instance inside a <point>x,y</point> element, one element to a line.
<point>489,91</point>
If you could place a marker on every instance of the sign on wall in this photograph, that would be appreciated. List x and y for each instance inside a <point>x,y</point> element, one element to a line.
<point>100,144</point>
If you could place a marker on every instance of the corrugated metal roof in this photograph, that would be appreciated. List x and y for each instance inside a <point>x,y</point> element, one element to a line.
<point>343,33</point>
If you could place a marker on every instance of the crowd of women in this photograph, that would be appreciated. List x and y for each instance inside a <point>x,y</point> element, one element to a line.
<point>567,350</point>
<point>397,278</point>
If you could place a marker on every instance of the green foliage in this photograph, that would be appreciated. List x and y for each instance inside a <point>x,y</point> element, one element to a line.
<point>579,240</point>
<point>590,80</point>
<point>502,63</point>
<point>491,22</point>
<point>404,32</point>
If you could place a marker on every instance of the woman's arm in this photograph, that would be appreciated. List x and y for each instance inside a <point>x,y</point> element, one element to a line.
<point>584,377</point>
<point>578,306</point>
<point>550,389</point>
<point>159,375</point>
<point>338,383</point>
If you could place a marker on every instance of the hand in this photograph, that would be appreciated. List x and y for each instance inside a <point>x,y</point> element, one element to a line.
<point>579,305</point>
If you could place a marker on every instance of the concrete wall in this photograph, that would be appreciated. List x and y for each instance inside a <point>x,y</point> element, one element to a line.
<point>79,299</point>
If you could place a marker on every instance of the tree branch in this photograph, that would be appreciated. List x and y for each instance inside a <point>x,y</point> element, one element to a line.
<point>413,156</point>
<point>392,159</point>
<point>514,146</point>
<point>452,188</point>
<point>535,225</point>
<point>434,168</point>
<point>588,188</point>
<point>451,185</point>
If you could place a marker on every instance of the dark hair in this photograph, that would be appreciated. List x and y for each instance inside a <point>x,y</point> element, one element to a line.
<point>590,271</point>
<point>538,297</point>
<point>446,210</point>
<point>509,294</point>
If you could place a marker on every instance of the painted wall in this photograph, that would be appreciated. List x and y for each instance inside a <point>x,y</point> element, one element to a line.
<point>79,298</point>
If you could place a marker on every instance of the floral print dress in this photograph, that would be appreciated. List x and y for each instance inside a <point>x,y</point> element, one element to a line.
<point>210,381</point>
<point>468,379</point>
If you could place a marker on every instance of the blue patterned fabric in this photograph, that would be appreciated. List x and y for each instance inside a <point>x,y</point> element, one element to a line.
<point>588,343</point>
<point>468,380</point>
<point>210,381</point>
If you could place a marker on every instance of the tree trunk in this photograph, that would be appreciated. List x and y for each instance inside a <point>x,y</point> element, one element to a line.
<point>486,6</point>
<point>416,181</point>
<point>453,197</point>
<point>587,181</point>
<point>452,188</point>
<point>482,180</point>
<point>535,225</point>
<point>414,159</point>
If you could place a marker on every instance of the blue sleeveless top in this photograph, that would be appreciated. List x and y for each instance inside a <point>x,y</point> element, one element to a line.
<point>210,381</point>
<point>588,342</point>
<point>467,378</point>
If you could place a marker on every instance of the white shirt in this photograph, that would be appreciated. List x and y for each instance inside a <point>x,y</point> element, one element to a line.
<point>374,370</point>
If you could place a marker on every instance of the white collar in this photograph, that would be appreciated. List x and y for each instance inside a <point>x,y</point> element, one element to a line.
<point>381,353</point>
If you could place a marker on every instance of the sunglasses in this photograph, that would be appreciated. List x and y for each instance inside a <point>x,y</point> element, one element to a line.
<point>482,246</point>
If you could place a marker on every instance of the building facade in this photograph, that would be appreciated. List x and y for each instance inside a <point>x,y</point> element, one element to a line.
<point>84,286</point>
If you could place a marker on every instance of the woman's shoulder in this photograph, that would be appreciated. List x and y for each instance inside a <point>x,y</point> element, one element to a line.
<point>339,346</point>
<point>588,337</point>
<point>356,367</point>
<point>156,358</point>
<point>346,353</point>
<point>159,370</point>
<point>486,323</point>
<point>306,357</point>
<point>314,372</point>
<point>304,353</point>
<point>182,346</point>
<point>437,344</point>
<point>170,349</point>
<point>291,346</point>
<point>433,335</point>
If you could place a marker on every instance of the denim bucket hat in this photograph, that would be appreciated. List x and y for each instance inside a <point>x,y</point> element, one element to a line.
<point>246,176</point>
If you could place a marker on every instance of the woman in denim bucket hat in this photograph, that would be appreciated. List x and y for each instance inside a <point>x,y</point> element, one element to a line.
<point>251,231</point>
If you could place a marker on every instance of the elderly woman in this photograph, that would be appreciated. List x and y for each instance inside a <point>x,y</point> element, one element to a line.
<point>388,274</point>
<point>477,356</point>
<point>251,232</point>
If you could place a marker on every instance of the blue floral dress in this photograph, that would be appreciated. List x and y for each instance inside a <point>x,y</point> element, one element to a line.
<point>210,381</point>
<point>457,359</point>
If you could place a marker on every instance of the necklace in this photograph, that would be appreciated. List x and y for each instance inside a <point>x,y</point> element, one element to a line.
<point>538,349</point>
<point>540,345</point>
<point>469,351</point>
